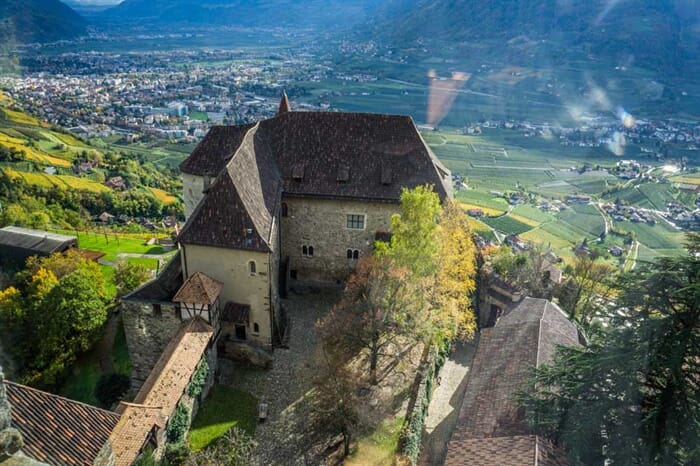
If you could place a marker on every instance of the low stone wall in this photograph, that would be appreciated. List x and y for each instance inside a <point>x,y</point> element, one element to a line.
<point>147,332</point>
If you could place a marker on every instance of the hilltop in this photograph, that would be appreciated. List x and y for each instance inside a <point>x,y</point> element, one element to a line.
<point>29,21</point>
<point>656,33</point>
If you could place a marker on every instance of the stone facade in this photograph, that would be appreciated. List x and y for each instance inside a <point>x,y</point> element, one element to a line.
<point>232,268</point>
<point>148,329</point>
<point>323,225</point>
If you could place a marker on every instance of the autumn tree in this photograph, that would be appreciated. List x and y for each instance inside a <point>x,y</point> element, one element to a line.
<point>374,311</point>
<point>528,270</point>
<point>55,311</point>
<point>631,397</point>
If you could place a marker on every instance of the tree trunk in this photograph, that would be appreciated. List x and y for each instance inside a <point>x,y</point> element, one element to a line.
<point>346,444</point>
<point>373,357</point>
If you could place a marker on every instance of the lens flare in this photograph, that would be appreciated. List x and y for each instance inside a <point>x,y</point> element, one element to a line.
<point>627,120</point>
<point>442,94</point>
<point>617,144</point>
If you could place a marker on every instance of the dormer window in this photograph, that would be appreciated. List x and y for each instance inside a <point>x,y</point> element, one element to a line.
<point>386,174</point>
<point>343,173</point>
<point>298,172</point>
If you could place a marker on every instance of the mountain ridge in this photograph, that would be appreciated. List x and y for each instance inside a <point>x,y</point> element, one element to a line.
<point>28,21</point>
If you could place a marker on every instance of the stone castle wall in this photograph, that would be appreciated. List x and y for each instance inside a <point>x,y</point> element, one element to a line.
<point>322,224</point>
<point>148,332</point>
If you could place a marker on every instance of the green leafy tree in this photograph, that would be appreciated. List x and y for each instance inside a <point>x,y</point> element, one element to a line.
<point>130,275</point>
<point>632,396</point>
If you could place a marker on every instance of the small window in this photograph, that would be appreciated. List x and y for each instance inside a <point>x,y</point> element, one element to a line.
<point>256,328</point>
<point>252,268</point>
<point>157,310</point>
<point>307,251</point>
<point>285,210</point>
<point>356,221</point>
<point>353,254</point>
<point>349,253</point>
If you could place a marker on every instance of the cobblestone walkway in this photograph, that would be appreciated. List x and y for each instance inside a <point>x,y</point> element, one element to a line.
<point>445,404</point>
<point>280,437</point>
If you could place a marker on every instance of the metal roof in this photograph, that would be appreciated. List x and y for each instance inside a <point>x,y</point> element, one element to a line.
<point>35,240</point>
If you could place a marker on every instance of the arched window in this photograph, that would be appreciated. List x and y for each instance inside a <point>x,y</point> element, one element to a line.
<point>285,209</point>
<point>304,250</point>
<point>349,253</point>
<point>252,268</point>
<point>311,250</point>
<point>256,328</point>
<point>356,254</point>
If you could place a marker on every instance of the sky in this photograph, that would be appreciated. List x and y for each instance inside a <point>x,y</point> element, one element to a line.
<point>94,2</point>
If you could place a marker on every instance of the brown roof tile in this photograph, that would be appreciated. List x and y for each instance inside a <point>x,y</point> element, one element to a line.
<point>217,148</point>
<point>524,338</point>
<point>160,394</point>
<point>57,430</point>
<point>235,312</point>
<point>199,289</point>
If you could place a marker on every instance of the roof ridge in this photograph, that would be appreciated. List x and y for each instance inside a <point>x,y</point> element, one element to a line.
<point>53,395</point>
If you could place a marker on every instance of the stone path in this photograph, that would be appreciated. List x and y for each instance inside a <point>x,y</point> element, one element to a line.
<point>445,404</point>
<point>280,437</point>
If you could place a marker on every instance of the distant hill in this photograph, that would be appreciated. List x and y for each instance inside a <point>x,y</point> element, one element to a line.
<point>27,21</point>
<point>296,13</point>
<point>658,33</point>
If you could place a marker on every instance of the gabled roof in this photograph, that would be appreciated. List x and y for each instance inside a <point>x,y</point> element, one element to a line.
<point>38,241</point>
<point>238,210</point>
<point>490,416</point>
<point>217,148</point>
<point>284,104</point>
<point>163,287</point>
<point>159,395</point>
<point>199,289</point>
<point>57,430</point>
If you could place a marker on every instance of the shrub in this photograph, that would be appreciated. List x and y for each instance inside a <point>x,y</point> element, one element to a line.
<point>199,379</point>
<point>175,454</point>
<point>180,422</point>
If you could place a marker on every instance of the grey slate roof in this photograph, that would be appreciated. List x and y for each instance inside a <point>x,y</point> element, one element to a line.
<point>57,430</point>
<point>303,154</point>
<point>163,287</point>
<point>489,416</point>
<point>41,242</point>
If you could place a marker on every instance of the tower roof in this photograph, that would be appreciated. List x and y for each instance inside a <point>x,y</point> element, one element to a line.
<point>199,289</point>
<point>284,104</point>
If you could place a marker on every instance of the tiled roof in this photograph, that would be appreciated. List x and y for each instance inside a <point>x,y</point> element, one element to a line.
<point>524,338</point>
<point>199,289</point>
<point>284,104</point>
<point>217,148</point>
<point>238,210</point>
<point>163,287</point>
<point>160,394</point>
<point>56,430</point>
<point>317,154</point>
<point>504,451</point>
<point>35,240</point>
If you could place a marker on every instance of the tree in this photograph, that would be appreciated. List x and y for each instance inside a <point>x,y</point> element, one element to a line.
<point>130,275</point>
<point>234,448</point>
<point>527,270</point>
<point>587,289</point>
<point>631,397</point>
<point>455,278</point>
<point>414,232</point>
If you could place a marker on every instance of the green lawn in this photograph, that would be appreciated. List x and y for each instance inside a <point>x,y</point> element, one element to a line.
<point>112,244</point>
<point>224,408</point>
<point>378,447</point>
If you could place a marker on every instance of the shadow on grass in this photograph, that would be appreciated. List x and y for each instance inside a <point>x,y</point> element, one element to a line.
<point>224,408</point>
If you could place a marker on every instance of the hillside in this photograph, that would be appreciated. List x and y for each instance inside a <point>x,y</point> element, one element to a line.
<point>49,178</point>
<point>28,21</point>
<point>656,33</point>
<point>274,13</point>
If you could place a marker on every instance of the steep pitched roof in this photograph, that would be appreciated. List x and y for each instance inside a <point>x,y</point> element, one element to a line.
<point>159,395</point>
<point>38,241</point>
<point>199,289</point>
<point>505,451</point>
<point>217,148</point>
<point>489,416</point>
<point>163,287</point>
<point>284,104</point>
<point>239,209</point>
<point>381,154</point>
<point>57,430</point>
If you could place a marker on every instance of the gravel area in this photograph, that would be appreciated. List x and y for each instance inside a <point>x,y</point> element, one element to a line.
<point>445,404</point>
<point>281,437</point>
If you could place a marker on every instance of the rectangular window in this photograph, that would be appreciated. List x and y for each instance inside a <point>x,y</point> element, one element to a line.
<point>356,221</point>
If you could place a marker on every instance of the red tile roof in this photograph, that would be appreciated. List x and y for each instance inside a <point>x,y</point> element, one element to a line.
<point>199,289</point>
<point>160,394</point>
<point>56,430</point>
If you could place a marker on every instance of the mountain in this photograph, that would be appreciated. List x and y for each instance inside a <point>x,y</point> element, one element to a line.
<point>27,21</point>
<point>657,33</point>
<point>252,13</point>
